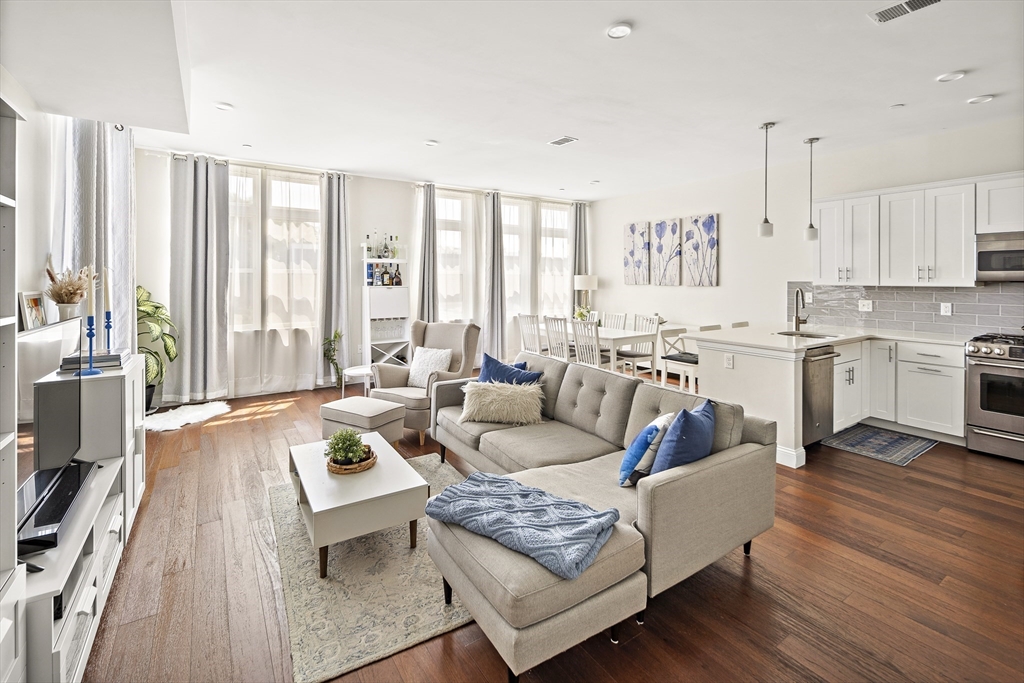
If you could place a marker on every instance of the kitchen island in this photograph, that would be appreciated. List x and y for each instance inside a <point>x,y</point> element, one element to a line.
<point>763,370</point>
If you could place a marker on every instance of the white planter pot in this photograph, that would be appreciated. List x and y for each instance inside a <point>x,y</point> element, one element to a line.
<point>67,311</point>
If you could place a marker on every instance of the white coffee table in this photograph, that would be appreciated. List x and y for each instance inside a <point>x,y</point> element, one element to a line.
<point>337,507</point>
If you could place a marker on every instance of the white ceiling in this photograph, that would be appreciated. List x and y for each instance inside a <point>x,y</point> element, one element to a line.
<point>358,86</point>
<point>110,61</point>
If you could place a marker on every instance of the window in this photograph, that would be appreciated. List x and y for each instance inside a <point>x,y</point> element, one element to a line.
<point>274,271</point>
<point>456,224</point>
<point>517,234</point>
<point>556,269</point>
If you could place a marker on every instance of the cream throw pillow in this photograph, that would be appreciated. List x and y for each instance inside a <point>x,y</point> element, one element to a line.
<point>512,404</point>
<point>426,361</point>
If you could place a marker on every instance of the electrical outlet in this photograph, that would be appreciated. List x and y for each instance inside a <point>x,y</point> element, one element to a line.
<point>945,309</point>
<point>864,305</point>
<point>809,296</point>
<point>729,361</point>
<point>359,350</point>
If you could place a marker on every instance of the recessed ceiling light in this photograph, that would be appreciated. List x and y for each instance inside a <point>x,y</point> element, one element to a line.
<point>896,106</point>
<point>246,145</point>
<point>430,143</point>
<point>620,30</point>
<point>594,182</point>
<point>224,106</point>
<point>981,99</point>
<point>561,189</point>
<point>951,76</point>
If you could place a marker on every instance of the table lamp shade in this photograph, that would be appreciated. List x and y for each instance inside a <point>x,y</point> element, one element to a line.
<point>584,282</point>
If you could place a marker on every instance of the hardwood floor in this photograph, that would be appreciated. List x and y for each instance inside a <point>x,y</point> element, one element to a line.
<point>872,572</point>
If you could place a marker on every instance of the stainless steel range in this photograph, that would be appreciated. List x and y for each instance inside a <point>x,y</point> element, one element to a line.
<point>995,394</point>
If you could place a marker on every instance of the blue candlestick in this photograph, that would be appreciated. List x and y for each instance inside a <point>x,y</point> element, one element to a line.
<point>109,325</point>
<point>90,332</point>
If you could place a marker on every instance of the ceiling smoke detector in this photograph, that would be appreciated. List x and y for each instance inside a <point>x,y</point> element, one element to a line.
<point>564,140</point>
<point>897,10</point>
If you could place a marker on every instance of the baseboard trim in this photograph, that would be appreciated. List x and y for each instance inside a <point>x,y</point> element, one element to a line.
<point>790,457</point>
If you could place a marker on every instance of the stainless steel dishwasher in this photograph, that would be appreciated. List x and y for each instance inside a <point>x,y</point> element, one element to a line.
<point>818,393</point>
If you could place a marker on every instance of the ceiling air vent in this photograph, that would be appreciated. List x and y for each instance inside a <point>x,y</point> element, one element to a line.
<point>898,10</point>
<point>565,140</point>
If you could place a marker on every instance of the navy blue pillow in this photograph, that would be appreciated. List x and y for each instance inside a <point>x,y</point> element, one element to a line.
<point>688,439</point>
<point>492,370</point>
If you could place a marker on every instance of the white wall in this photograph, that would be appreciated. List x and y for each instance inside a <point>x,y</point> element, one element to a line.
<point>752,271</point>
<point>385,206</point>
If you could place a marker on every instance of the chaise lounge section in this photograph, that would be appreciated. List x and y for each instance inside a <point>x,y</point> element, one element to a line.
<point>672,524</point>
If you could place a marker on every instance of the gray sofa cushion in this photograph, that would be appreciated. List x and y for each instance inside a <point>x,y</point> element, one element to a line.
<point>650,401</point>
<point>413,398</point>
<point>549,443</point>
<point>596,401</point>
<point>520,588</point>
<point>554,371</point>
<point>595,482</point>
<point>468,433</point>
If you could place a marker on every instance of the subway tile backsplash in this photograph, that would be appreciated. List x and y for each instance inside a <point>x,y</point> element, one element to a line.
<point>995,306</point>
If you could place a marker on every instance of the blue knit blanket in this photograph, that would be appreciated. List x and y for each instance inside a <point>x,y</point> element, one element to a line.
<point>563,535</point>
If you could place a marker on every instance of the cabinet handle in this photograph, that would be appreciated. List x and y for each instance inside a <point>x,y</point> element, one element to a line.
<point>847,274</point>
<point>928,369</point>
<point>929,273</point>
<point>929,355</point>
<point>890,353</point>
<point>919,273</point>
<point>853,375</point>
<point>840,275</point>
<point>996,434</point>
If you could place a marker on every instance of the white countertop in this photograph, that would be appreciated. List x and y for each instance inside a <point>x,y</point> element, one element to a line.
<point>767,337</point>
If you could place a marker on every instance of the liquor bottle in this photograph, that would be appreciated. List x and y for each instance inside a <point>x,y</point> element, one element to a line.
<point>369,247</point>
<point>385,278</point>
<point>376,275</point>
<point>376,246</point>
<point>397,281</point>
<point>369,274</point>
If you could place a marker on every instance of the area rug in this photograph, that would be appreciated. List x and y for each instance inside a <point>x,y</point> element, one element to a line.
<point>880,444</point>
<point>185,415</point>
<point>380,596</point>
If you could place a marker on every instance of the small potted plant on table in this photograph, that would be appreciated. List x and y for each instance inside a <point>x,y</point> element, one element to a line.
<point>347,454</point>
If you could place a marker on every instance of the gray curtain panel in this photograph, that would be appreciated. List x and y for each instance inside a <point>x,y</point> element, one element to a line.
<point>428,258</point>
<point>334,268</point>
<point>494,314</point>
<point>94,216</point>
<point>199,279</point>
<point>580,258</point>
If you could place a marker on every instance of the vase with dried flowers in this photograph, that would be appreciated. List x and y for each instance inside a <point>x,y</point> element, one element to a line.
<point>67,290</point>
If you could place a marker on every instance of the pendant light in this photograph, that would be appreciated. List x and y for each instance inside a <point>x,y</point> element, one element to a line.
<point>810,232</point>
<point>766,229</point>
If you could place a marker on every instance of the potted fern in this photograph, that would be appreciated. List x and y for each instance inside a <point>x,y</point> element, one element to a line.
<point>330,347</point>
<point>154,327</point>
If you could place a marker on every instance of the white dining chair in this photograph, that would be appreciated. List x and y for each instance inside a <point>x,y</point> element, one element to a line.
<point>588,345</point>
<point>687,362</point>
<point>593,316</point>
<point>529,331</point>
<point>644,351</point>
<point>614,321</point>
<point>673,352</point>
<point>557,330</point>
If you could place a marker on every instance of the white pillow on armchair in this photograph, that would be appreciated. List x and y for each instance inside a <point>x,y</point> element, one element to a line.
<point>426,361</point>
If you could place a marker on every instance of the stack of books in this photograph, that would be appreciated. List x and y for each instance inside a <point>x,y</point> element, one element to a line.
<point>114,358</point>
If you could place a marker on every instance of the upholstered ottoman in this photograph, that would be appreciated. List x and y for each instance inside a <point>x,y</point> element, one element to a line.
<point>364,415</point>
<point>528,613</point>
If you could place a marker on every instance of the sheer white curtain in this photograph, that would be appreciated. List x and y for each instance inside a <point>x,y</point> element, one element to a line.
<point>518,221</point>
<point>556,267</point>
<point>274,280</point>
<point>458,224</point>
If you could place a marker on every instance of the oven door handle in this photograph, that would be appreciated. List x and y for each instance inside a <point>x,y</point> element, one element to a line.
<point>996,365</point>
<point>998,435</point>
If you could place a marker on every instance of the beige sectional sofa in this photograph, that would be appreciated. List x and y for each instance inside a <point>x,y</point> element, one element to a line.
<point>672,524</point>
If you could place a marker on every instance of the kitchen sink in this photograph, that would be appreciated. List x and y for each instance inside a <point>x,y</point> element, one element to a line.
<point>808,335</point>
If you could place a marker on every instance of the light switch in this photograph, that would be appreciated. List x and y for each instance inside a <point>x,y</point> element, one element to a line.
<point>864,305</point>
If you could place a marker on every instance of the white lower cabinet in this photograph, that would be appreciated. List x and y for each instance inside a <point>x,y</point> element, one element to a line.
<point>847,406</point>
<point>882,380</point>
<point>931,397</point>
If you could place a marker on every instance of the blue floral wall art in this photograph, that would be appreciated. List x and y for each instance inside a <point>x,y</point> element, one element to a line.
<point>666,253</point>
<point>700,250</point>
<point>636,253</point>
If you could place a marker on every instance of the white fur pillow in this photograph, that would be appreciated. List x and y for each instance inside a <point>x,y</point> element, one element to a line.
<point>426,361</point>
<point>513,404</point>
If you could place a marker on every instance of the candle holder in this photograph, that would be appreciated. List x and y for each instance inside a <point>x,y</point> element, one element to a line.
<point>90,332</point>
<point>109,326</point>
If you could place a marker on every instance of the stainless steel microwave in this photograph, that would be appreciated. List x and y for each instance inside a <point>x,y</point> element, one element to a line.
<point>1000,257</point>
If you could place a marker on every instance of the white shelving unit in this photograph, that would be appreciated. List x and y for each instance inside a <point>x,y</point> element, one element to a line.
<point>386,323</point>
<point>13,640</point>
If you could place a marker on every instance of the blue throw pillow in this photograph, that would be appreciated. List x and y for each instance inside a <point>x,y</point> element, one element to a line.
<point>688,439</point>
<point>640,456</point>
<point>493,370</point>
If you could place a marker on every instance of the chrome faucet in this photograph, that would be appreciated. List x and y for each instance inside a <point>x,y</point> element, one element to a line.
<point>798,305</point>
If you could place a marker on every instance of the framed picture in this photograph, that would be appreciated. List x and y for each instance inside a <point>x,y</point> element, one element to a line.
<point>636,253</point>
<point>33,313</point>
<point>700,251</point>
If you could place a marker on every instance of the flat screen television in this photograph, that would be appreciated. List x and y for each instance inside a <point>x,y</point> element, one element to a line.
<point>49,494</point>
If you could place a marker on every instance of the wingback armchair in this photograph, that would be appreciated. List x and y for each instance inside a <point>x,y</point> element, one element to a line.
<point>390,381</point>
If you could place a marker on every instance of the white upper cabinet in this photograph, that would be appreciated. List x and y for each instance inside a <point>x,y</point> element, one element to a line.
<point>901,238</point>
<point>1001,205</point>
<point>847,241</point>
<point>949,236</point>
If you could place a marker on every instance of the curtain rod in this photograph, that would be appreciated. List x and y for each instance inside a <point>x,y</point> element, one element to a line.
<point>252,164</point>
<point>458,188</point>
